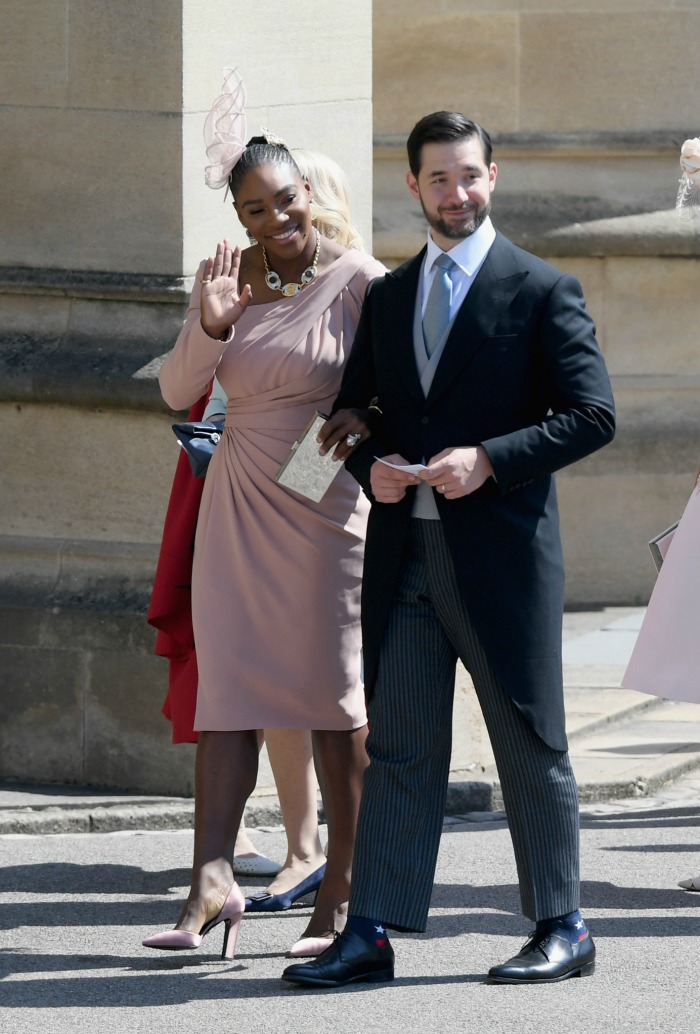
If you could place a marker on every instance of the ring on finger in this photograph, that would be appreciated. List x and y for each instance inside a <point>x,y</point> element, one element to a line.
<point>206,280</point>
<point>443,489</point>
<point>354,438</point>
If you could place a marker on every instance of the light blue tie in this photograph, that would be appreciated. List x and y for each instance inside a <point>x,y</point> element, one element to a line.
<point>437,311</point>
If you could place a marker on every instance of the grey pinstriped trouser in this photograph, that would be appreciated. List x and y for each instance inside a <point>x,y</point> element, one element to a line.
<point>409,744</point>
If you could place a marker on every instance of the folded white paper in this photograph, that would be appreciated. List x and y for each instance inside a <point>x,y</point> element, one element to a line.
<point>407,468</point>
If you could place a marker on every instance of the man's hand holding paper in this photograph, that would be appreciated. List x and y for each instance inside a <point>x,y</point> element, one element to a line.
<point>453,472</point>
<point>390,477</point>
<point>458,472</point>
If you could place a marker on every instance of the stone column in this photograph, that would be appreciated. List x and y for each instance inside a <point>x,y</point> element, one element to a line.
<point>105,218</point>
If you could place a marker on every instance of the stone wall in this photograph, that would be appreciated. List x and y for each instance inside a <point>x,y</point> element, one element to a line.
<point>101,114</point>
<point>538,66</point>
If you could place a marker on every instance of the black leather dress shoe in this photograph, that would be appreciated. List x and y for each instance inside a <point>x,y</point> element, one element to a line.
<point>349,960</point>
<point>546,959</point>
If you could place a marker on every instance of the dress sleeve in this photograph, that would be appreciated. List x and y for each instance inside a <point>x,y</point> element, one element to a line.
<point>371,270</point>
<point>187,371</point>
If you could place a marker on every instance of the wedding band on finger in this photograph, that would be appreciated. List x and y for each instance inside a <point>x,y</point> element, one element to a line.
<point>353,439</point>
<point>206,280</point>
<point>443,489</point>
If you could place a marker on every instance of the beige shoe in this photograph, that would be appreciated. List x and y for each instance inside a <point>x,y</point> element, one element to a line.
<point>255,865</point>
<point>691,884</point>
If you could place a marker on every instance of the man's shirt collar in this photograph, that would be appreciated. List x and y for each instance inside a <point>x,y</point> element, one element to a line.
<point>469,253</point>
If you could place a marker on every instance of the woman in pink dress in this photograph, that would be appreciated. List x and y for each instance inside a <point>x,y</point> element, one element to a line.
<point>276,576</point>
<point>289,751</point>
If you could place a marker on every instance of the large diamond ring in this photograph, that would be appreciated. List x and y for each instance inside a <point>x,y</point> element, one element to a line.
<point>354,438</point>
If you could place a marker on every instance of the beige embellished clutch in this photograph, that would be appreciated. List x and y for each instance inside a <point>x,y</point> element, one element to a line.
<point>304,470</point>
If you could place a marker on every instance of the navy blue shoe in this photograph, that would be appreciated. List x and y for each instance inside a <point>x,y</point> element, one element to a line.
<point>280,902</point>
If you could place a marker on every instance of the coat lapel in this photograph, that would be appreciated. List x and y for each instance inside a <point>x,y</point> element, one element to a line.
<point>401,286</point>
<point>496,284</point>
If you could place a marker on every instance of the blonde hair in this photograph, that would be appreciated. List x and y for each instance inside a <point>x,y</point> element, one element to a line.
<point>330,208</point>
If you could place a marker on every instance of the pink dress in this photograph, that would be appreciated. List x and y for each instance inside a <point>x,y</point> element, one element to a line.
<point>276,577</point>
<point>666,657</point>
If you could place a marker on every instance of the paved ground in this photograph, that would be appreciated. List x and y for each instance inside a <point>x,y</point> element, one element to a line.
<point>75,907</point>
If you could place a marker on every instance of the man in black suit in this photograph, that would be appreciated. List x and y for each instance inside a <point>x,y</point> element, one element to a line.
<point>486,370</point>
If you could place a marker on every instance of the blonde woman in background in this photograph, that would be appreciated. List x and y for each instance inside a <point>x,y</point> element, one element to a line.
<point>330,207</point>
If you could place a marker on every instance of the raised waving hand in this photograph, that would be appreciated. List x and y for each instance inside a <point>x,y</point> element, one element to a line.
<point>223,301</point>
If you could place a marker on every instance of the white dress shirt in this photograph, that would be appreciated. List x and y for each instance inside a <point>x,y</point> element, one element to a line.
<point>468,255</point>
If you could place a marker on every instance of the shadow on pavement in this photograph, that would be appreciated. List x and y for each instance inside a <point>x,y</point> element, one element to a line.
<point>73,878</point>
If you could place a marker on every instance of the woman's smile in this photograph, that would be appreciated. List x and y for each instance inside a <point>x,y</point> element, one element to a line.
<point>284,235</point>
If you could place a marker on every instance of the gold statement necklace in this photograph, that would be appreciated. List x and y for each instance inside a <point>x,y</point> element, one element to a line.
<point>274,280</point>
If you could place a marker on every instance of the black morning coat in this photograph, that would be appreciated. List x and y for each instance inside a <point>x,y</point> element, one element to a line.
<point>523,376</point>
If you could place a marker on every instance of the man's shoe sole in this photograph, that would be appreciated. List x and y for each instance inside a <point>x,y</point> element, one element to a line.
<point>582,971</point>
<point>365,978</point>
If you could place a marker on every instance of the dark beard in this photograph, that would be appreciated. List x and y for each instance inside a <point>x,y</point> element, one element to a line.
<point>454,233</point>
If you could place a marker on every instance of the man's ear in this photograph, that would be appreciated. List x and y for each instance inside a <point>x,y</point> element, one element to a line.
<point>413,186</point>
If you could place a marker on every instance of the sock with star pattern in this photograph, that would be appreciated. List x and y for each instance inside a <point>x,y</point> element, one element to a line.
<point>369,930</point>
<point>570,926</point>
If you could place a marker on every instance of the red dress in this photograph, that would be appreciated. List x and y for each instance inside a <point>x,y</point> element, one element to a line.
<point>170,609</point>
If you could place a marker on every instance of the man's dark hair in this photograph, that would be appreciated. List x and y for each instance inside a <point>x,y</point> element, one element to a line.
<point>259,152</point>
<point>444,127</point>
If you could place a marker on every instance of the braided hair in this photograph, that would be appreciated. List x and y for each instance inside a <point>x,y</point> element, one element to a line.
<point>260,150</point>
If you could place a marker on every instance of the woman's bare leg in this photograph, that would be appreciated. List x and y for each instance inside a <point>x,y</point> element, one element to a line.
<point>341,760</point>
<point>291,759</point>
<point>226,770</point>
<point>244,846</point>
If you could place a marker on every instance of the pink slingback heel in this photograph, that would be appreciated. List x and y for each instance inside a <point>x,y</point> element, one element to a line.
<point>181,940</point>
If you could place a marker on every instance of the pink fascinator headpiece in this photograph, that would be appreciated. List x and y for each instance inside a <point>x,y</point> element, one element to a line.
<point>688,198</point>
<point>225,130</point>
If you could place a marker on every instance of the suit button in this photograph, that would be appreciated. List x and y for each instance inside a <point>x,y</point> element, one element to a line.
<point>425,420</point>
